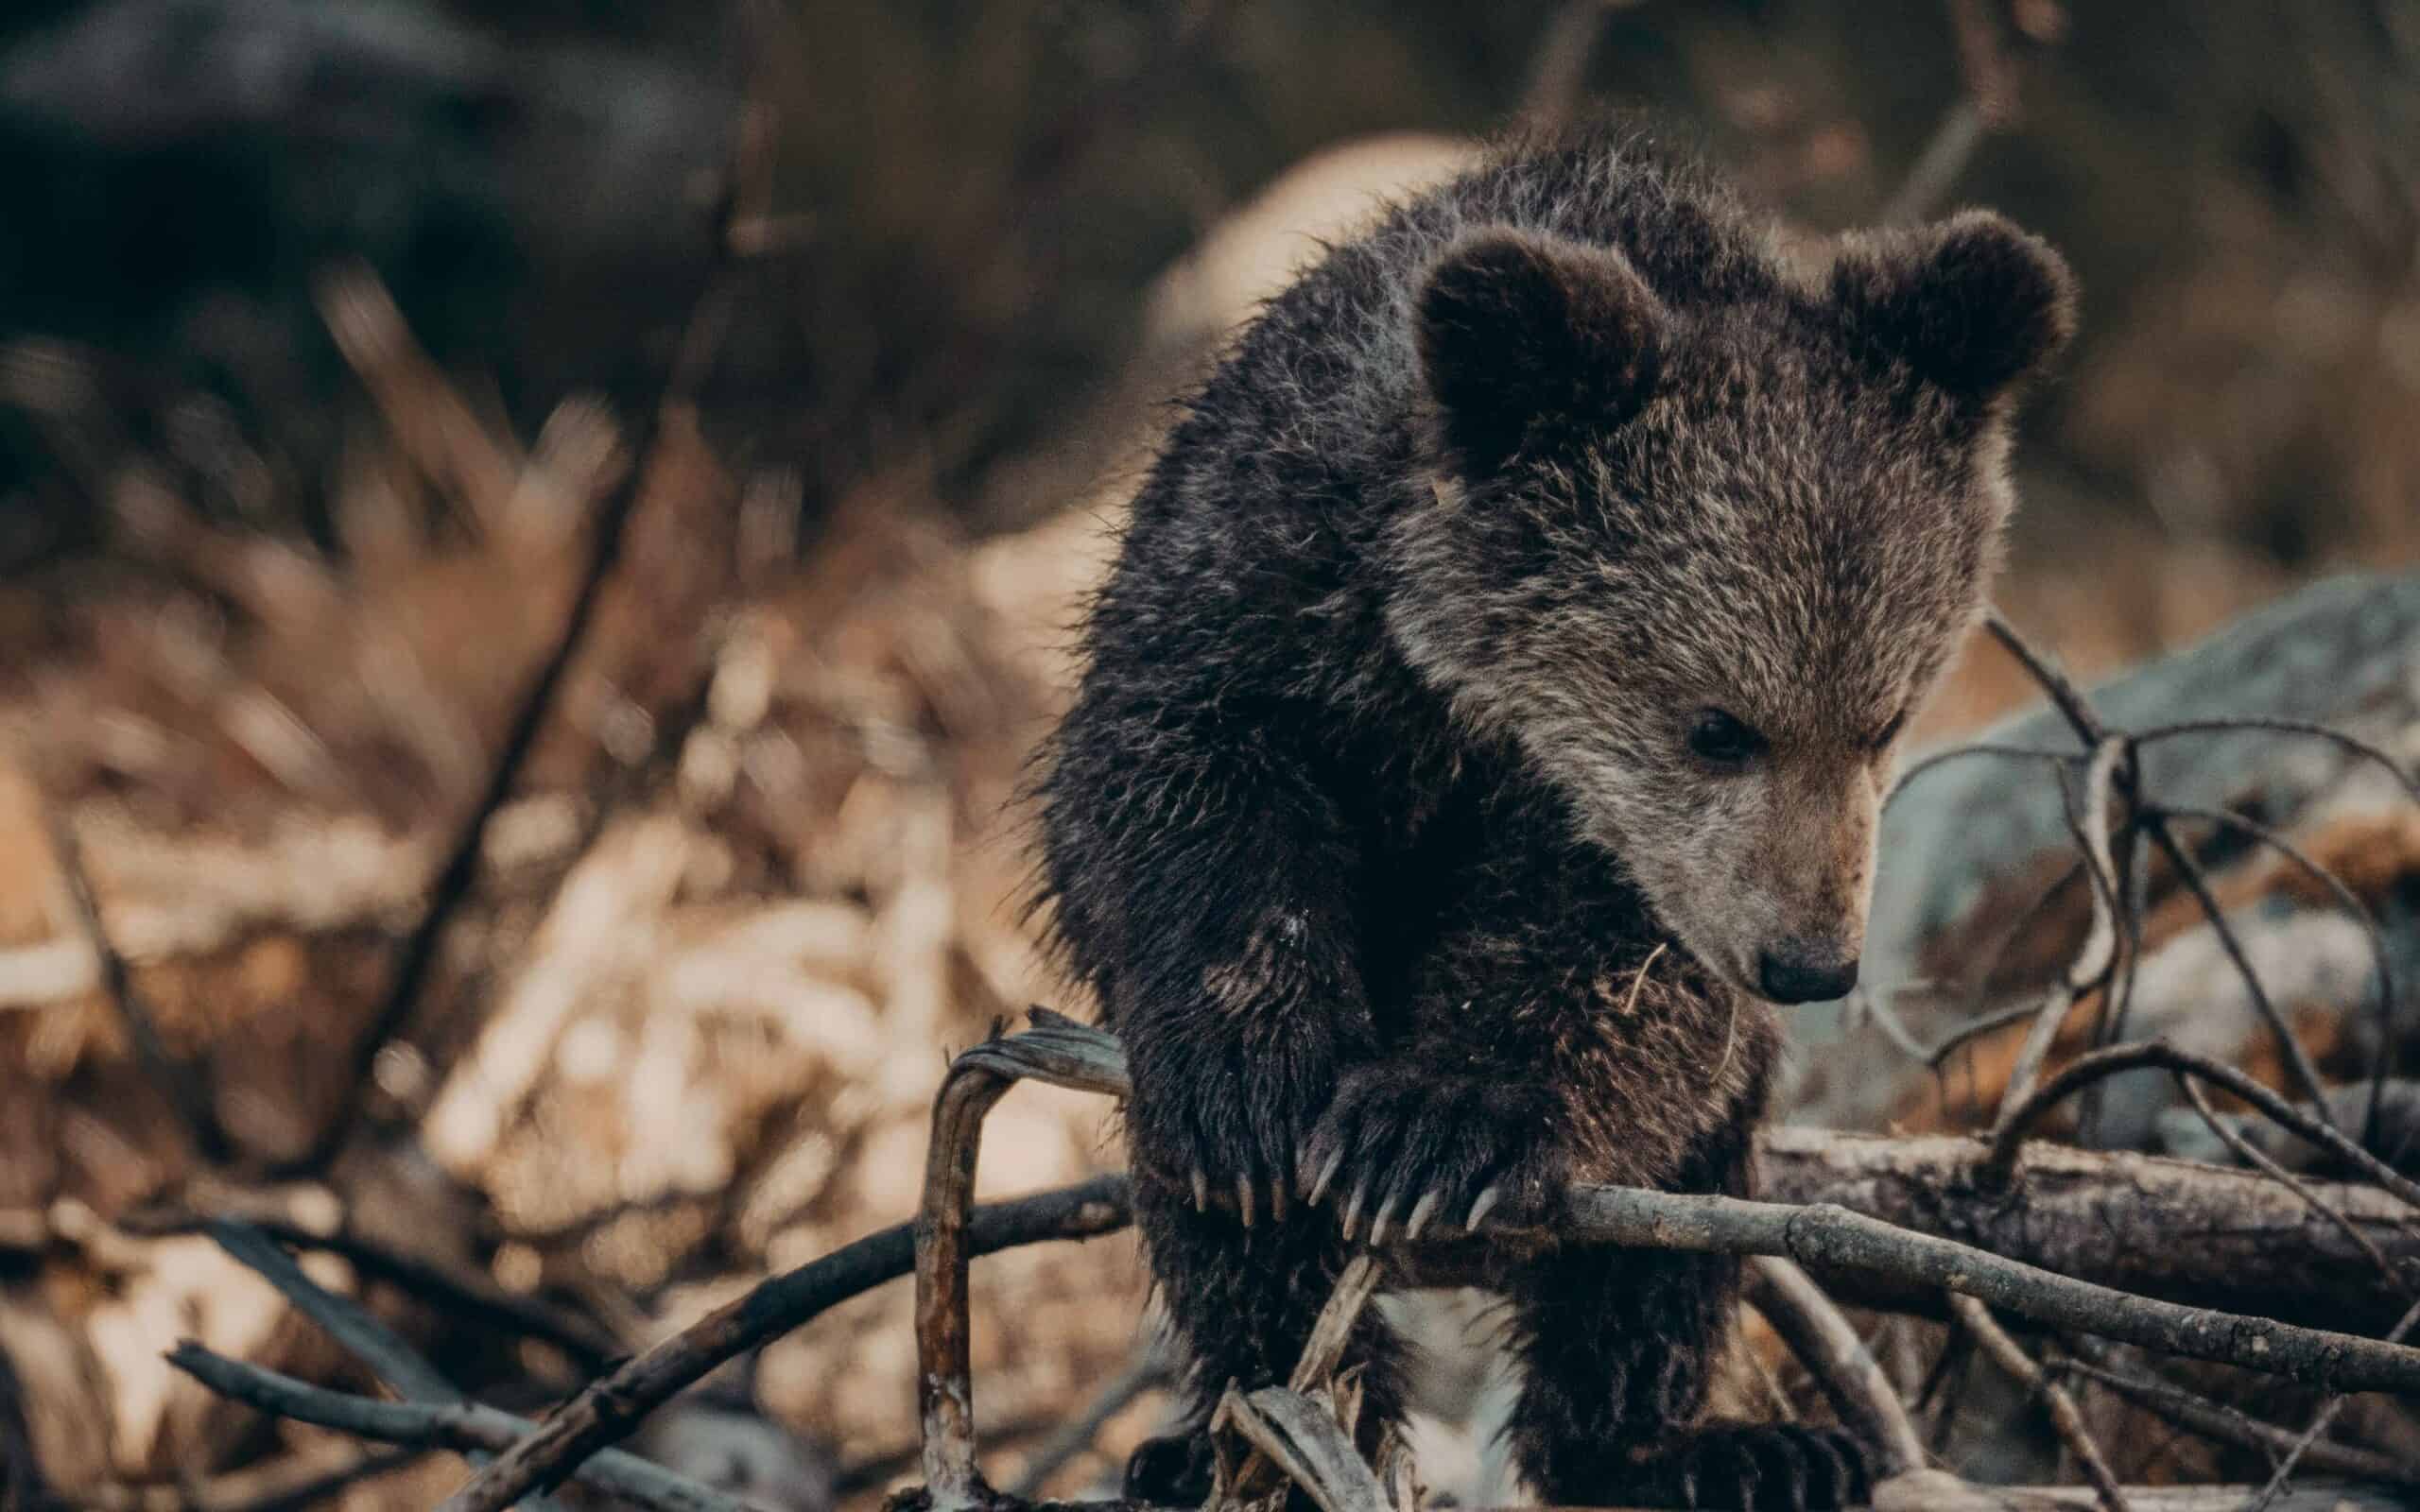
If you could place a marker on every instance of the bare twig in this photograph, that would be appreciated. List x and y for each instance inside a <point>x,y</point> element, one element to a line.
<point>462,1426</point>
<point>466,1296</point>
<point>363,1336</point>
<point>2258,1160</point>
<point>1950,1374</point>
<point>1956,753</point>
<point>2350,742</point>
<point>2094,958</point>
<point>1956,1039</point>
<point>2064,695</point>
<point>2084,1212</point>
<point>1304,1430</point>
<point>1325,1350</point>
<point>351,1325</point>
<point>608,1408</point>
<point>181,1083</point>
<point>2319,1426</point>
<point>2230,1425</point>
<point>1935,172</point>
<point>2381,965</point>
<point>2011,1357</point>
<point>2290,1045</point>
<point>2160,1055</point>
<point>1056,1051</point>
<point>1852,1381</point>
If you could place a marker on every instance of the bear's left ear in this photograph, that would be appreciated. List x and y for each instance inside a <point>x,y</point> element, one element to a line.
<point>1972,302</point>
<point>1519,330</point>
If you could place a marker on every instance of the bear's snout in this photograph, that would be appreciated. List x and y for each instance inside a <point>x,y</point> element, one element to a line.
<point>1797,971</point>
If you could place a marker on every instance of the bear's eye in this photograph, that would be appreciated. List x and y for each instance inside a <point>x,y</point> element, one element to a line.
<point>1889,732</point>
<point>1723,741</point>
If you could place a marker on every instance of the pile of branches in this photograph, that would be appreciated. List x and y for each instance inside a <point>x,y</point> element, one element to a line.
<point>2048,1260</point>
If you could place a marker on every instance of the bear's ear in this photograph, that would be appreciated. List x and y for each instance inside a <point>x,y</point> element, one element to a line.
<point>1972,304</point>
<point>1516,330</point>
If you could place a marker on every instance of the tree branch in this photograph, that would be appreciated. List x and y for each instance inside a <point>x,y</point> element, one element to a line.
<point>1851,1378</point>
<point>612,1406</point>
<point>2011,1357</point>
<point>2226,1236</point>
<point>460,1426</point>
<point>179,1081</point>
<point>2227,1425</point>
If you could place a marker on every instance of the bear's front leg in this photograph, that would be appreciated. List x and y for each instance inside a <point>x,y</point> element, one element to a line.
<point>1403,1144</point>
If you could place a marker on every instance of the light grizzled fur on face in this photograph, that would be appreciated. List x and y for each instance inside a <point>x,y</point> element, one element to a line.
<point>1781,502</point>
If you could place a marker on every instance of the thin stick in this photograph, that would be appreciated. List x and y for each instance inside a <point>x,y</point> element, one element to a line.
<point>2064,695</point>
<point>1311,1390</point>
<point>363,1336</point>
<point>610,1407</point>
<point>2289,727</point>
<point>2089,823</point>
<point>1958,1038</point>
<point>2158,1054</point>
<point>461,1426</point>
<point>2251,1154</point>
<point>294,1485</point>
<point>179,1081</point>
<point>2011,1357</point>
<point>1958,753</point>
<point>1323,1352</point>
<point>1301,1439</point>
<point>2319,1426</point>
<point>2290,1045</point>
<point>466,1296</point>
<point>2230,1425</point>
<point>351,1325</point>
<point>2381,964</point>
<point>1851,1378</point>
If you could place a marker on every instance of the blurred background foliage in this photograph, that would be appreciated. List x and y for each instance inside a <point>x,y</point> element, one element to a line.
<point>972,200</point>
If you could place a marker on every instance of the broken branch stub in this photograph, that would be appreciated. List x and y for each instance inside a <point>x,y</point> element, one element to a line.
<point>1058,1051</point>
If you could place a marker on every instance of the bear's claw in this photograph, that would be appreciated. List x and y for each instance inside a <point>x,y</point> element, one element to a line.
<point>1400,1145</point>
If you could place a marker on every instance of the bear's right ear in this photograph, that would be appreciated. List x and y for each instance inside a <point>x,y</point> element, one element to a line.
<point>1519,331</point>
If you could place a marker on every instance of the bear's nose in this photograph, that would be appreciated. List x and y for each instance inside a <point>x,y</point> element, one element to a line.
<point>1793,973</point>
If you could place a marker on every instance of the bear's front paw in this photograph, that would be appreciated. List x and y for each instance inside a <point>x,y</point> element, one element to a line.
<point>1755,1466</point>
<point>1400,1145</point>
<point>1223,1120</point>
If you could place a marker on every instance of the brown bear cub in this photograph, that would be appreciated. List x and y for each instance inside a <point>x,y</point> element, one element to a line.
<point>1485,725</point>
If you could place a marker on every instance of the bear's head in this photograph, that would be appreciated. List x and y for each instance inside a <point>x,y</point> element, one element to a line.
<point>1700,557</point>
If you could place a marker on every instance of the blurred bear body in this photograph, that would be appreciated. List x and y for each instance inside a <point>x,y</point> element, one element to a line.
<point>1486,717</point>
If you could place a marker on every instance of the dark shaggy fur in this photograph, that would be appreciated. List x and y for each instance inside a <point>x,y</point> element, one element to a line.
<point>1487,715</point>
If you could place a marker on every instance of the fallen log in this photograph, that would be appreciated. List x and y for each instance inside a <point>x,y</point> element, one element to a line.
<point>2201,1235</point>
